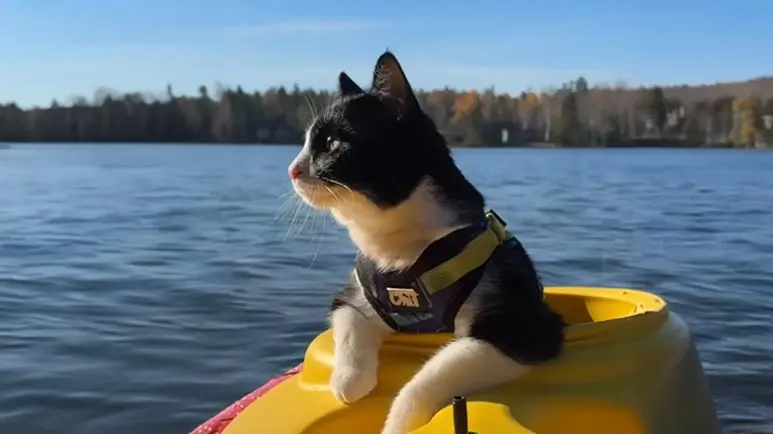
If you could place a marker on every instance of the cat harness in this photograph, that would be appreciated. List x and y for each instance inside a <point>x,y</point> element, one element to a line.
<point>426,297</point>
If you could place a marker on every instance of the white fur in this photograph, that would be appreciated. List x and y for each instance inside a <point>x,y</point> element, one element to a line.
<point>357,344</point>
<point>464,366</point>
<point>357,341</point>
<point>395,238</point>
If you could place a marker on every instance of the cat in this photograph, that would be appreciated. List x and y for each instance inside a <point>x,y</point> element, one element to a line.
<point>378,164</point>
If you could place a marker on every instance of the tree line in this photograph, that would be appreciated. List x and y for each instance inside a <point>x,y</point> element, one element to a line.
<point>575,114</point>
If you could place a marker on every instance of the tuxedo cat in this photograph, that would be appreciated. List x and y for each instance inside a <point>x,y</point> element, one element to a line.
<point>378,164</point>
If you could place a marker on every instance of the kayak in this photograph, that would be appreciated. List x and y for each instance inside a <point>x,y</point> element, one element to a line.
<point>629,366</point>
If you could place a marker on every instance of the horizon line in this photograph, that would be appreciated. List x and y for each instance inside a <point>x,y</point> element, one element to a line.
<point>159,94</point>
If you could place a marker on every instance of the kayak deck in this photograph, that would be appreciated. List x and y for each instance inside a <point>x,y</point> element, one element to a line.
<point>629,366</point>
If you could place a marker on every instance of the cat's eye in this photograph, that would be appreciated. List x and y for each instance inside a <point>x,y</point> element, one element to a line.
<point>333,143</point>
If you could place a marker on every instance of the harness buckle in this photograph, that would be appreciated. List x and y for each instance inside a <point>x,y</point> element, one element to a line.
<point>497,225</point>
<point>494,214</point>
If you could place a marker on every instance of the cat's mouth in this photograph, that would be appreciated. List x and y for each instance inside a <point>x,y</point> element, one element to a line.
<point>322,193</point>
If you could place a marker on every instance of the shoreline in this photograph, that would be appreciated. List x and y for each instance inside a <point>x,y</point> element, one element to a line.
<point>536,145</point>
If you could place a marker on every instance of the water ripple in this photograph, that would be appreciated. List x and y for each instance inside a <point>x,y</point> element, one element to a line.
<point>142,289</point>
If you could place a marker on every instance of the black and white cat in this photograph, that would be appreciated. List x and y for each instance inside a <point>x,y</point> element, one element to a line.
<point>377,162</point>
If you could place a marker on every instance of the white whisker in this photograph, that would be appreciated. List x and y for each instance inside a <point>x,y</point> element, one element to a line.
<point>286,207</point>
<point>333,181</point>
<point>296,210</point>
<point>321,239</point>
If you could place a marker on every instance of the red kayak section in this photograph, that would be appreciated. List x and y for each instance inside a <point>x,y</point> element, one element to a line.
<point>217,424</point>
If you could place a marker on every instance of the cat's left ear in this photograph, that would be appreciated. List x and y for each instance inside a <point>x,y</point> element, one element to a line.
<point>389,78</point>
<point>347,86</point>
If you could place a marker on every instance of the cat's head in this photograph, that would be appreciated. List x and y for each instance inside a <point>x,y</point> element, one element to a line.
<point>375,153</point>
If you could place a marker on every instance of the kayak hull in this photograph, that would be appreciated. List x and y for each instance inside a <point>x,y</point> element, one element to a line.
<point>629,366</point>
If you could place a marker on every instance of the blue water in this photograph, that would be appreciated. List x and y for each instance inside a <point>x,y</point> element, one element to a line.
<point>144,288</point>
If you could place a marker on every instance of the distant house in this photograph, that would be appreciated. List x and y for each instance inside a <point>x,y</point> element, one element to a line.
<point>764,139</point>
<point>671,128</point>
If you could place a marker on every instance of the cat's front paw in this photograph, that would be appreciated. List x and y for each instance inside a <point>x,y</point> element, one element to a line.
<point>410,409</point>
<point>350,383</point>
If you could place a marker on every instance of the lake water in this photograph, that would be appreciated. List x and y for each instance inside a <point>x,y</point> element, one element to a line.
<point>144,288</point>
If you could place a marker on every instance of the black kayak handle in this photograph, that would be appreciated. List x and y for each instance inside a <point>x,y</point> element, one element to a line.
<point>460,415</point>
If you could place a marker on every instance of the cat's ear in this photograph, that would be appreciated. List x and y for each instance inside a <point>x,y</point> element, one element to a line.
<point>347,86</point>
<point>389,78</point>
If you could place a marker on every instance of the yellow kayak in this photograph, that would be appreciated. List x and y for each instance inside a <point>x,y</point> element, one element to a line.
<point>629,367</point>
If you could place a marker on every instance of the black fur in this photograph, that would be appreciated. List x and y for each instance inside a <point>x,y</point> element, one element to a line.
<point>388,145</point>
<point>513,316</point>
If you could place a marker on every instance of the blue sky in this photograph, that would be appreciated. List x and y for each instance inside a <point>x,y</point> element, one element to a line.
<point>60,48</point>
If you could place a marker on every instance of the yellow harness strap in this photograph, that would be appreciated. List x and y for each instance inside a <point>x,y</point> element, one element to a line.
<point>475,254</point>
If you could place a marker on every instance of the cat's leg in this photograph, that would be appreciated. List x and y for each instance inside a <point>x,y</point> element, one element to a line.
<point>464,366</point>
<point>357,343</point>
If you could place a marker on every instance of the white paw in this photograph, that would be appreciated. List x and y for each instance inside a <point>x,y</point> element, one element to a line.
<point>409,411</point>
<point>351,383</point>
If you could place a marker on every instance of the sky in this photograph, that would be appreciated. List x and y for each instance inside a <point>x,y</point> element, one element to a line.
<point>57,49</point>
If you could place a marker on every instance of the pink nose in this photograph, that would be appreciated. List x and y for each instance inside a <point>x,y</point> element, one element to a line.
<point>294,172</point>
